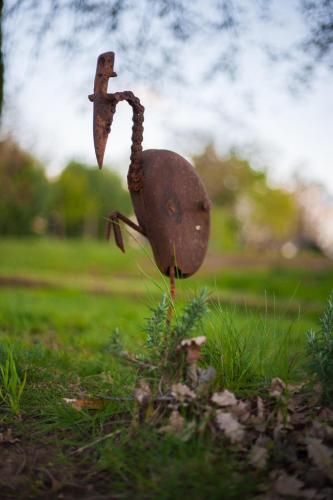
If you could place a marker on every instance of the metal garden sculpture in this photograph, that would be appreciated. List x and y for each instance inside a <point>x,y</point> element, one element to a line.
<point>170,202</point>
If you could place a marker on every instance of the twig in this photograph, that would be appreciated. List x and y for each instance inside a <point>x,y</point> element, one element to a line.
<point>132,398</point>
<point>127,357</point>
<point>107,436</point>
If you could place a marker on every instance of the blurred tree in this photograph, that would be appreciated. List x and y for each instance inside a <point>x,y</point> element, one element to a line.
<point>156,32</point>
<point>24,192</point>
<point>268,216</point>
<point>82,199</point>
<point>246,203</point>
<point>225,178</point>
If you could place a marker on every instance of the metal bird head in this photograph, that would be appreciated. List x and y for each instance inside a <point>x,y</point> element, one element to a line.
<point>102,112</point>
<point>104,71</point>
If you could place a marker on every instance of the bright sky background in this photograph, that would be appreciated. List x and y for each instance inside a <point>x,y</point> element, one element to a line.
<point>48,112</point>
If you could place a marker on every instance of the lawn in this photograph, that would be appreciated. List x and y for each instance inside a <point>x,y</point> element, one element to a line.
<point>60,306</point>
<point>265,281</point>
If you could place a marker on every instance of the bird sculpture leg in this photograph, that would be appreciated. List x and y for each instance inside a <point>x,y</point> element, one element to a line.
<point>113,223</point>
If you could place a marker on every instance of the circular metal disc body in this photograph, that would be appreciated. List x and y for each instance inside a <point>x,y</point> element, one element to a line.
<point>173,210</point>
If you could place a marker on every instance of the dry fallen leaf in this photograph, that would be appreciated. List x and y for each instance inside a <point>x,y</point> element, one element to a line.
<point>322,431</point>
<point>277,387</point>
<point>195,340</point>
<point>241,411</point>
<point>6,437</point>
<point>142,394</point>
<point>182,393</point>
<point>231,427</point>
<point>200,378</point>
<point>176,421</point>
<point>86,404</point>
<point>260,409</point>
<point>192,348</point>
<point>224,398</point>
<point>295,388</point>
<point>258,419</point>
<point>326,414</point>
<point>321,456</point>
<point>175,425</point>
<point>207,375</point>
<point>258,456</point>
<point>289,486</point>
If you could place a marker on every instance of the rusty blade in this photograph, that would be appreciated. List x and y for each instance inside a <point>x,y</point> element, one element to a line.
<point>101,128</point>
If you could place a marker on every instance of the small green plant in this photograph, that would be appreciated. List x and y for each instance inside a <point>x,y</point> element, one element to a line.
<point>163,338</point>
<point>320,350</point>
<point>156,328</point>
<point>11,385</point>
<point>115,345</point>
<point>192,315</point>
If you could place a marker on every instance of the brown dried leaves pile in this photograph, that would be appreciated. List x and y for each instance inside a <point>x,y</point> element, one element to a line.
<point>284,432</point>
<point>280,432</point>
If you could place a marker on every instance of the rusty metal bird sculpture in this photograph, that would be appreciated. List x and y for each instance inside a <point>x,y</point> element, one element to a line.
<point>169,199</point>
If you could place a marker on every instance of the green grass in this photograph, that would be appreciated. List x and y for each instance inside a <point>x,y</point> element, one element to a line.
<point>84,322</point>
<point>59,337</point>
<point>43,256</point>
<point>60,340</point>
<point>249,349</point>
<point>11,385</point>
<point>266,281</point>
<point>281,282</point>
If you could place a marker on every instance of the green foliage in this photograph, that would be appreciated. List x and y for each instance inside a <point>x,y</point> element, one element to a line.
<point>11,385</point>
<point>273,211</point>
<point>76,204</point>
<point>226,178</point>
<point>161,335</point>
<point>115,345</point>
<point>224,231</point>
<point>163,338</point>
<point>192,315</point>
<point>83,198</point>
<point>24,192</point>
<point>248,208</point>
<point>156,329</point>
<point>320,350</point>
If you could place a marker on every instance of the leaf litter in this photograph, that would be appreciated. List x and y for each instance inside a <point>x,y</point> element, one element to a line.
<point>283,435</point>
<point>277,433</point>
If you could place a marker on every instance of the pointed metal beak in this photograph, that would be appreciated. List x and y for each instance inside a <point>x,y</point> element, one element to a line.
<point>101,129</point>
<point>102,108</point>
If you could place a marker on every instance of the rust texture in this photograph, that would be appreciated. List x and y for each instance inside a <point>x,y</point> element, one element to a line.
<point>169,199</point>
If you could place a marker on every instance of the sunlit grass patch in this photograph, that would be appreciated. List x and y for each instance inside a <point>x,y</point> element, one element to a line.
<point>249,349</point>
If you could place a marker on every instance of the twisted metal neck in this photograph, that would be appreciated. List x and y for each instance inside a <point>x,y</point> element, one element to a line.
<point>135,172</point>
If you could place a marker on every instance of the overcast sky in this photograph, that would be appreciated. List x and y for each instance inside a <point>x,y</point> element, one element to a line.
<point>48,111</point>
